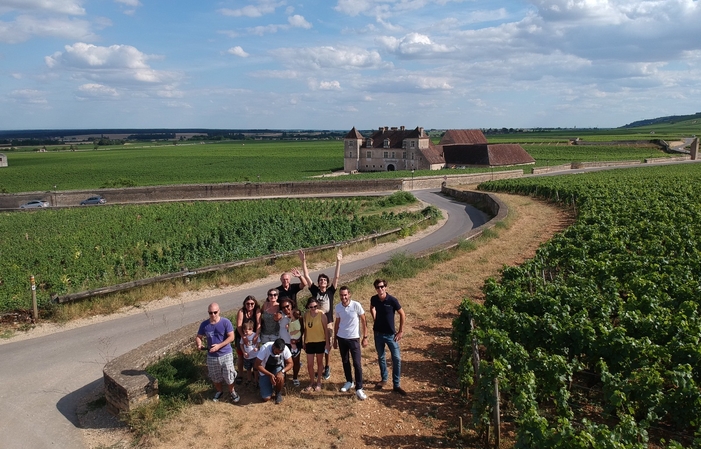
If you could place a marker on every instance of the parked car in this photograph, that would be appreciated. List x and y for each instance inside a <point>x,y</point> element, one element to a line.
<point>33,204</point>
<point>93,200</point>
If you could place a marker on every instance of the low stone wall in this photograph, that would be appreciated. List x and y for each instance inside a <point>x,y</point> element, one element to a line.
<point>551,168</point>
<point>193,192</point>
<point>127,385</point>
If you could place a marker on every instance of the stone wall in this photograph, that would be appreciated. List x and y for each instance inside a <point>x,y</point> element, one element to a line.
<point>191,192</point>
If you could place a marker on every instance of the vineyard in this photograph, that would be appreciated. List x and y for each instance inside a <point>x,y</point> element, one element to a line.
<point>596,341</point>
<point>72,250</point>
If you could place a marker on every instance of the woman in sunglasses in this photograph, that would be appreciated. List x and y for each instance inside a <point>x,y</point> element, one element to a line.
<point>270,318</point>
<point>316,342</point>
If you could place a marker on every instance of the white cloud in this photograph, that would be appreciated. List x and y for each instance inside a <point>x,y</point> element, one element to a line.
<point>71,7</point>
<point>94,90</point>
<point>275,74</point>
<point>29,96</point>
<point>265,29</point>
<point>133,3</point>
<point>329,85</point>
<point>331,57</point>
<point>298,21</point>
<point>262,8</point>
<point>412,45</point>
<point>25,27</point>
<point>237,51</point>
<point>381,8</point>
<point>115,63</point>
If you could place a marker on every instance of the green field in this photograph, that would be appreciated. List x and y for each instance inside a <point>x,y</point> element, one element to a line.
<point>596,340</point>
<point>77,249</point>
<point>169,164</point>
<point>149,163</point>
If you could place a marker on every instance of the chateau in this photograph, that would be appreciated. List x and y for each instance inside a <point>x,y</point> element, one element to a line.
<point>390,149</point>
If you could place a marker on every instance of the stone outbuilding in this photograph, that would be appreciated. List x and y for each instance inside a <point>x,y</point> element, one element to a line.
<point>3,160</point>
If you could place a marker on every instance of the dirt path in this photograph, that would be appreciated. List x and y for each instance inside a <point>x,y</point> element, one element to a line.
<point>427,417</point>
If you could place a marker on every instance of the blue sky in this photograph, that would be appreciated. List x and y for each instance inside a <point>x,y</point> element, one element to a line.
<point>335,64</point>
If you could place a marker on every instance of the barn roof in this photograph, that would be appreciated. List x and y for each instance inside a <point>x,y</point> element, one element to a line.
<point>463,136</point>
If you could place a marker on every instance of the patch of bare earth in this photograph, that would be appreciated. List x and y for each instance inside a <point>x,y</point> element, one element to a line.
<point>427,417</point>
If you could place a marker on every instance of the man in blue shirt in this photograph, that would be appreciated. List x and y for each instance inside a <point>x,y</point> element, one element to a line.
<point>215,336</point>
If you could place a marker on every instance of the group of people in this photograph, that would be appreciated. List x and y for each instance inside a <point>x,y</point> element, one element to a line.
<point>269,338</point>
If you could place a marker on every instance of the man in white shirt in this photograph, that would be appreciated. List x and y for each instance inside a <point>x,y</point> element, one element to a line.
<point>273,362</point>
<point>349,325</point>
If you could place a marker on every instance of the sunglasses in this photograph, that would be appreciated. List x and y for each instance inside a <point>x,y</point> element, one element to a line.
<point>214,313</point>
<point>380,286</point>
<point>272,294</point>
<point>250,304</point>
<point>313,307</point>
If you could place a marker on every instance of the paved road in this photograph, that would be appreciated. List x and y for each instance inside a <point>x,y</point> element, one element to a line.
<point>43,379</point>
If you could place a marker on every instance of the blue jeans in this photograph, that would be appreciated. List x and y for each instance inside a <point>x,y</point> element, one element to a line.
<point>266,388</point>
<point>388,339</point>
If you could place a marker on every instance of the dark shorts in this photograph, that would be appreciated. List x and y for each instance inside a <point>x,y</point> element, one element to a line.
<point>315,348</point>
<point>248,364</point>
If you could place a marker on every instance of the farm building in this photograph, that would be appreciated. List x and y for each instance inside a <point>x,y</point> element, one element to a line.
<point>3,160</point>
<point>390,149</point>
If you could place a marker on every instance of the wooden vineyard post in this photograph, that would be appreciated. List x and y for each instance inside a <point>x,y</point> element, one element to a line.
<point>34,298</point>
<point>497,419</point>
<point>475,353</point>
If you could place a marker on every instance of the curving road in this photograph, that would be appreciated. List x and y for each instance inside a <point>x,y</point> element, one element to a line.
<point>43,379</point>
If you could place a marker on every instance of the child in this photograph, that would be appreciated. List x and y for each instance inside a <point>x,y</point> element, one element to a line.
<point>295,330</point>
<point>249,347</point>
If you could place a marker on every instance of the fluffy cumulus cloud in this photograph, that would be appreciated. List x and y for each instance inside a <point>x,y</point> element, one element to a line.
<point>323,85</point>
<point>237,51</point>
<point>413,45</point>
<point>115,63</point>
<point>298,21</point>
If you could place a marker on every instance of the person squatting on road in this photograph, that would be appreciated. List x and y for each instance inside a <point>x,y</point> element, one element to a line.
<point>215,335</point>
<point>273,362</point>
<point>349,325</point>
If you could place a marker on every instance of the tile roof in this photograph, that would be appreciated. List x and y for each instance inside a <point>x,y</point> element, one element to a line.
<point>353,134</point>
<point>464,136</point>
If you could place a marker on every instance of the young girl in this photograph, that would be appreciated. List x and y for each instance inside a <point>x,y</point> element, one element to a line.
<point>249,347</point>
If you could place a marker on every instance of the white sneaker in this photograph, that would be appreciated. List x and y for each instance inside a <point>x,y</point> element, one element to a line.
<point>347,386</point>
<point>361,394</point>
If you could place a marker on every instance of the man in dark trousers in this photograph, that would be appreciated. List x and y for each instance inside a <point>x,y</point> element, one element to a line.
<point>383,307</point>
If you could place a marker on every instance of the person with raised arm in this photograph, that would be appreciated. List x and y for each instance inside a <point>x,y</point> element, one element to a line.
<point>323,291</point>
